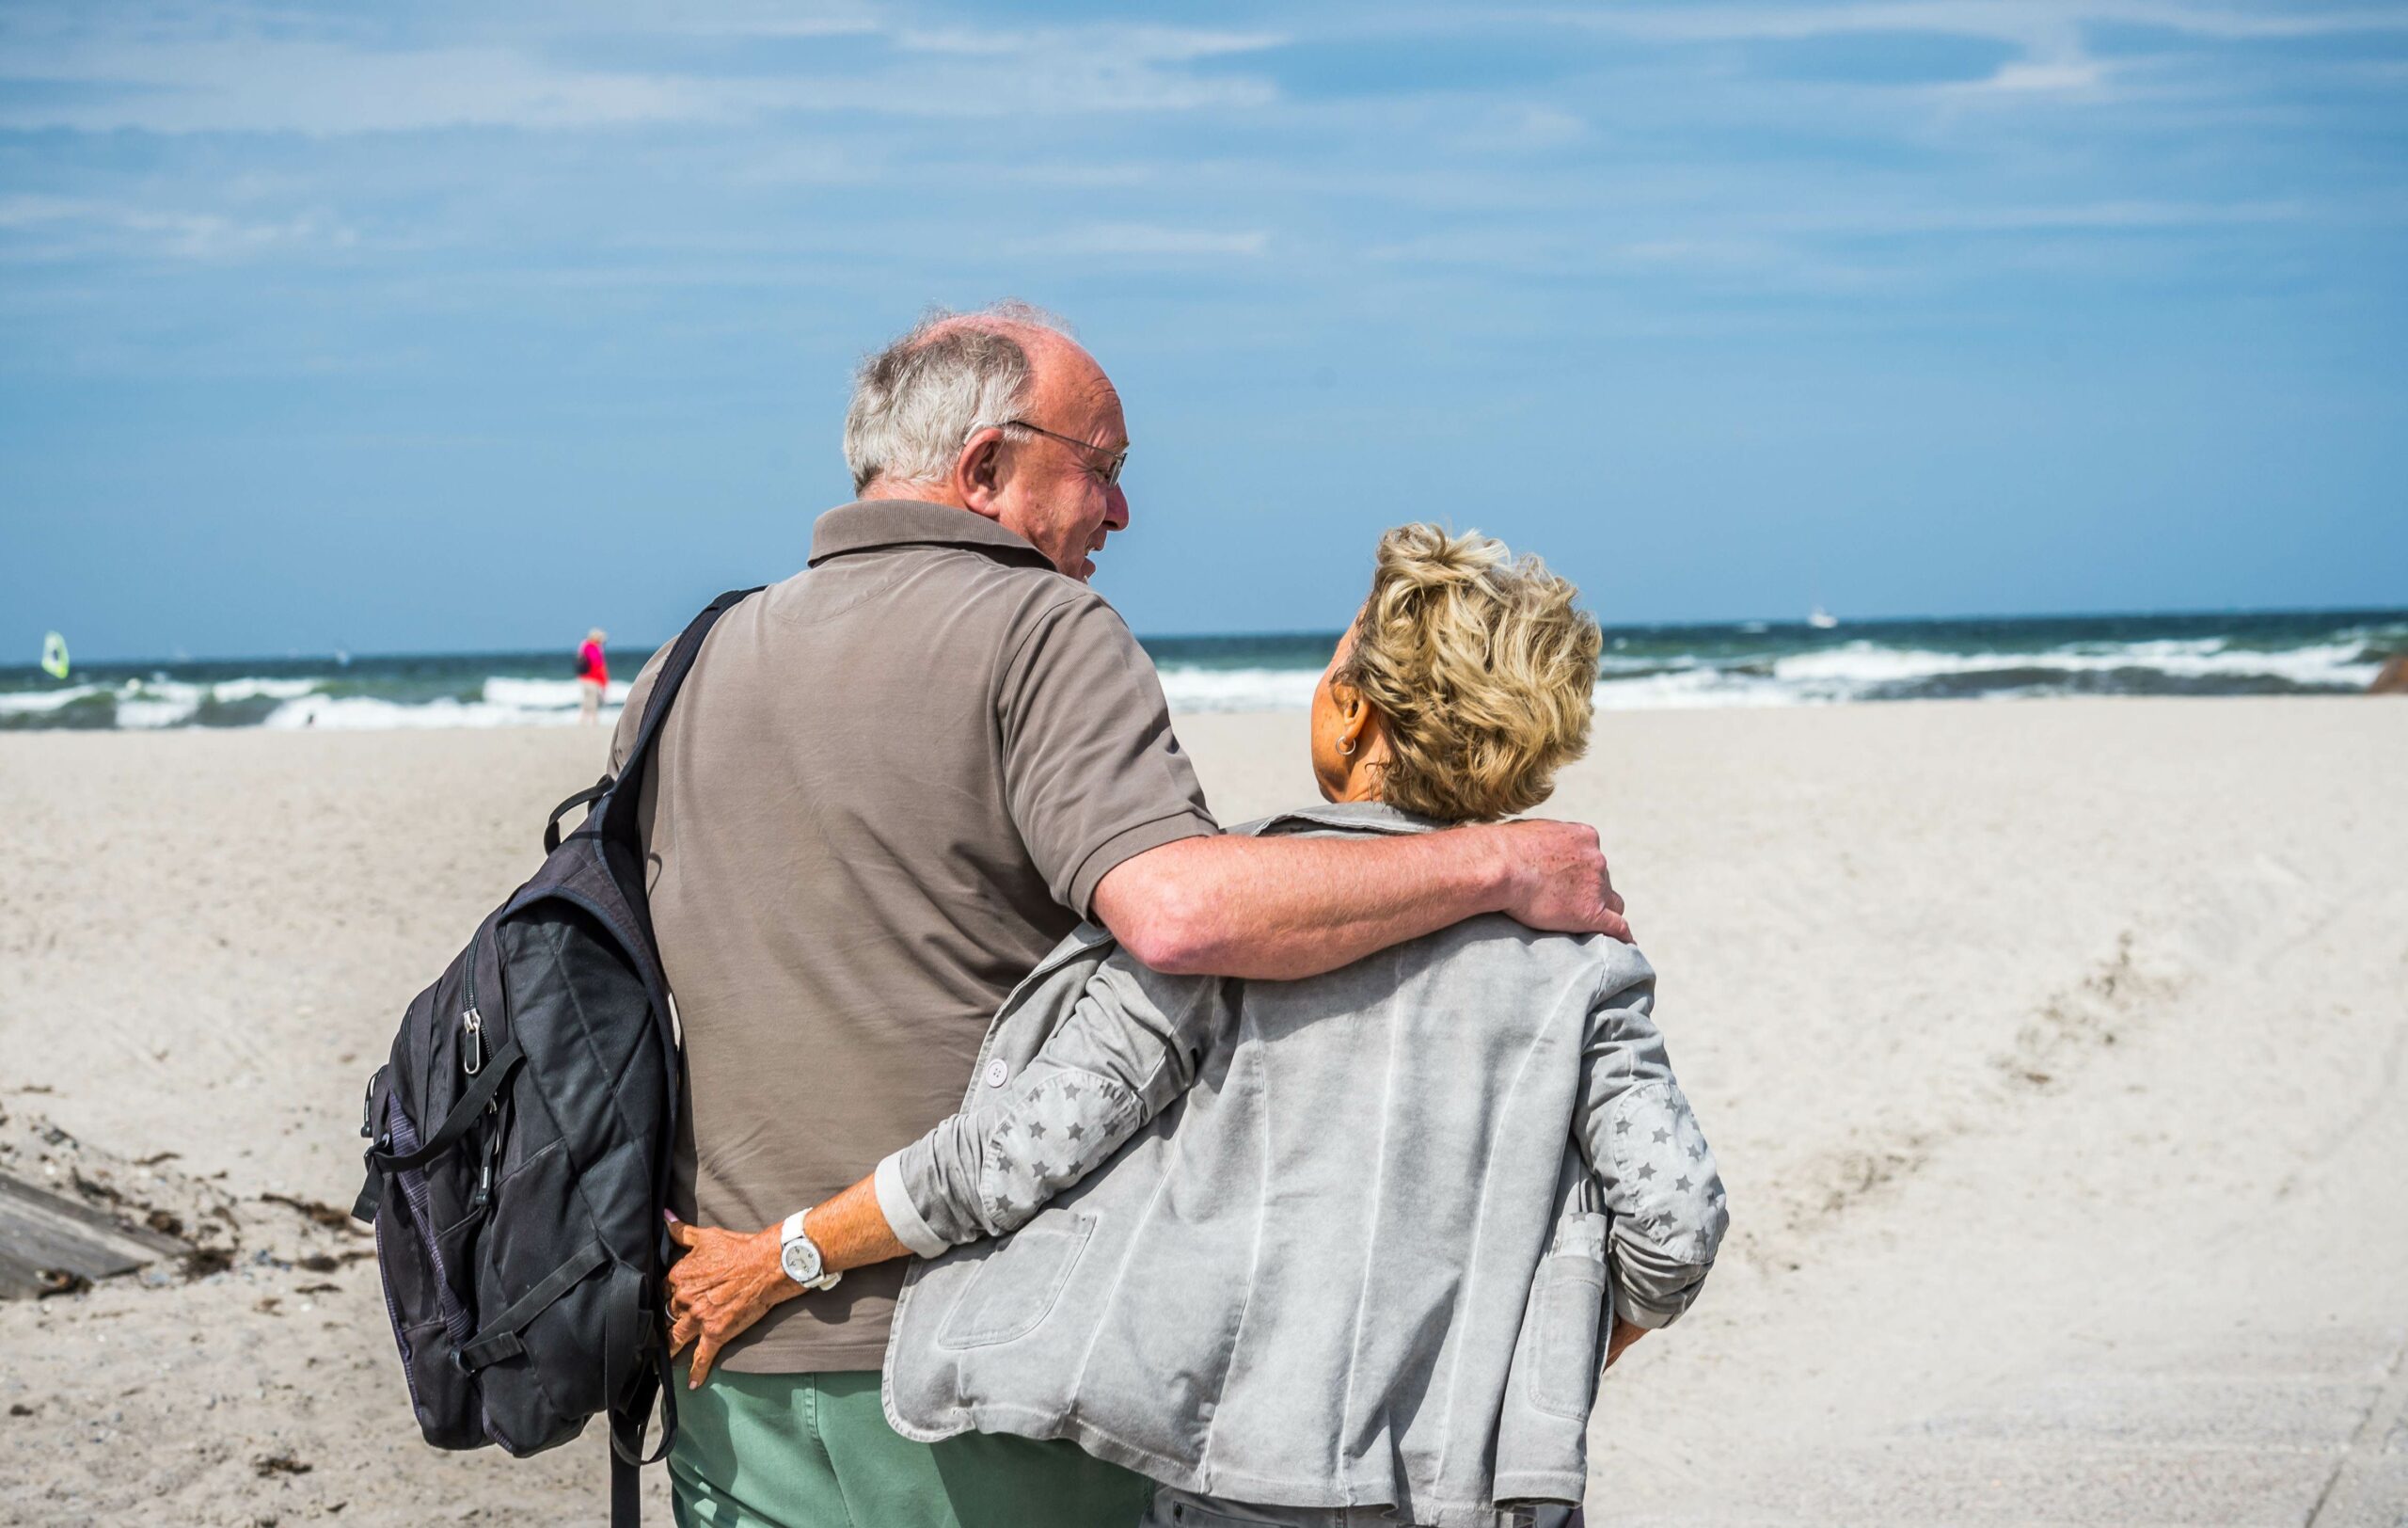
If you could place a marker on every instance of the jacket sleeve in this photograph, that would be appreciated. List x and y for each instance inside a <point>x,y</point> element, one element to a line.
<point>1661,1189</point>
<point>1130,1045</point>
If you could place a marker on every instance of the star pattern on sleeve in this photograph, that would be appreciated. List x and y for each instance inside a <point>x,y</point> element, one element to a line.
<point>1666,1171</point>
<point>1061,1126</point>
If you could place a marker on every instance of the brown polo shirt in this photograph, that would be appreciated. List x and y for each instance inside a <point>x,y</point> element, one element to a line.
<point>889,785</point>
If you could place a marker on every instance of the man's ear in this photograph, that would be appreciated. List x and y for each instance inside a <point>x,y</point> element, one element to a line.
<point>978,472</point>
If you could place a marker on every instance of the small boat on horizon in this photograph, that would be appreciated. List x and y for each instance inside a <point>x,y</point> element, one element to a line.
<point>1821,619</point>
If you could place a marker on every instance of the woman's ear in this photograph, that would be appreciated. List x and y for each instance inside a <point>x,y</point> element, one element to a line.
<point>1353,716</point>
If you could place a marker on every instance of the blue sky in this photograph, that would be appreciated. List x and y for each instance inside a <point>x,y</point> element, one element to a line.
<point>468,325</point>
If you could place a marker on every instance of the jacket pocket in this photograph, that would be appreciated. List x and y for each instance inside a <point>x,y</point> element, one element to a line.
<point>1543,1428</point>
<point>1571,1299</point>
<point>1014,1290</point>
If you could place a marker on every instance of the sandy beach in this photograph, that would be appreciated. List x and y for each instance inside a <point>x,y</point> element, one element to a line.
<point>2056,1055</point>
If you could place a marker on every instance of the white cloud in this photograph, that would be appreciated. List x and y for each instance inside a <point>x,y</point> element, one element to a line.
<point>2103,217</point>
<point>2031,22</point>
<point>1523,125</point>
<point>1147,239</point>
<point>2027,78</point>
<point>27,211</point>
<point>2050,35</point>
<point>164,80</point>
<point>54,228</point>
<point>308,87</point>
<point>1106,46</point>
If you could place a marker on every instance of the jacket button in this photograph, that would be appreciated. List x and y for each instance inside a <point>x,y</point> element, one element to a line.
<point>997,1071</point>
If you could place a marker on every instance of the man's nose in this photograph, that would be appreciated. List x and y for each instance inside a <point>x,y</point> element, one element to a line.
<point>1116,509</point>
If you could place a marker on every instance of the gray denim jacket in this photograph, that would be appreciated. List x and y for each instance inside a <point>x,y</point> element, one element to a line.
<point>1357,1238</point>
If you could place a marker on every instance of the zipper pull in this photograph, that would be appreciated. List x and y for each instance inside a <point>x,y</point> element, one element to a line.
<point>484,1197</point>
<point>472,1042</point>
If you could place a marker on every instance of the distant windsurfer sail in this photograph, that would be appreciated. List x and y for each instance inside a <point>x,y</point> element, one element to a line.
<point>53,654</point>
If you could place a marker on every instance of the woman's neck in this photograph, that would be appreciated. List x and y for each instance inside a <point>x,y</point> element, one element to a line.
<point>1364,768</point>
<point>1361,784</point>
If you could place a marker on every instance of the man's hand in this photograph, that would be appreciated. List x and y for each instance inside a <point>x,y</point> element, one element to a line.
<point>1623,1335</point>
<point>726,1280</point>
<point>1559,882</point>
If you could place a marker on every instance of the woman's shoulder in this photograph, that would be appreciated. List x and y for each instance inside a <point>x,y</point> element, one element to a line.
<point>1621,964</point>
<point>1342,819</point>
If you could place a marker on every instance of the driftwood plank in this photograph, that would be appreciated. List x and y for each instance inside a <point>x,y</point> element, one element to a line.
<point>41,1231</point>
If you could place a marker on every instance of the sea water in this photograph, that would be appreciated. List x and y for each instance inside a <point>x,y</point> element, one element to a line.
<point>1643,667</point>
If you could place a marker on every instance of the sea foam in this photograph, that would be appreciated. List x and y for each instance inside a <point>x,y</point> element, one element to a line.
<point>1752,663</point>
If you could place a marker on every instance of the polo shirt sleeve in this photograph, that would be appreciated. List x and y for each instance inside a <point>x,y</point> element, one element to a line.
<point>1092,773</point>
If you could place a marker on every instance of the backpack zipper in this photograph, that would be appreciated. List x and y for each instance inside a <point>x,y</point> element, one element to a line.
<point>472,1060</point>
<point>472,1024</point>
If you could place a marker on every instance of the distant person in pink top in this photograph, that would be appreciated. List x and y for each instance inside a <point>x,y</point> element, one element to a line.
<point>593,676</point>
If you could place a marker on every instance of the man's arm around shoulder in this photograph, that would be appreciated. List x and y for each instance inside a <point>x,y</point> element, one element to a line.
<point>1285,908</point>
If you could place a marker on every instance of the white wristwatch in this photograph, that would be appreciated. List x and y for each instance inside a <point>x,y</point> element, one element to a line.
<point>799,1256</point>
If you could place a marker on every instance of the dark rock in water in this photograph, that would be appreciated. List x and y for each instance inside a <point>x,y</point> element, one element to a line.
<point>2393,680</point>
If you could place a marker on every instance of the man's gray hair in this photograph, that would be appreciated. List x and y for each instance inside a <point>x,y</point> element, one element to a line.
<point>916,401</point>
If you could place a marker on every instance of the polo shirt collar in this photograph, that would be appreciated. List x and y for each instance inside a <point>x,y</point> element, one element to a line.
<point>873,523</point>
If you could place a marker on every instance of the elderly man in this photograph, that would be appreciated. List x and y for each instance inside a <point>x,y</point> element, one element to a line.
<point>890,784</point>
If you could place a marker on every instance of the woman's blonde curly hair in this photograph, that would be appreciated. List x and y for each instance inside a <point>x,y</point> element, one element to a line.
<point>1482,669</point>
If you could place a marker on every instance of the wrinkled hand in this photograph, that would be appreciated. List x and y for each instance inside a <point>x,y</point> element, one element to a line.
<point>726,1280</point>
<point>1559,882</point>
<point>1623,1335</point>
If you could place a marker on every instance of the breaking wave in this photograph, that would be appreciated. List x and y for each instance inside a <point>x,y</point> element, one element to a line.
<point>1740,664</point>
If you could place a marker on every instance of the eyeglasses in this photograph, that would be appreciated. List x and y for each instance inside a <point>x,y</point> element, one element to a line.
<point>1109,471</point>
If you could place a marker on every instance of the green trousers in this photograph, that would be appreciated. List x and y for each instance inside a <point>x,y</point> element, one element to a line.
<point>815,1451</point>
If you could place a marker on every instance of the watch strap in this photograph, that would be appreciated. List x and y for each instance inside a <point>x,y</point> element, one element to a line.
<point>791,1228</point>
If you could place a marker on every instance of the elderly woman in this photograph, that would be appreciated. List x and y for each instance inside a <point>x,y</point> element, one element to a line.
<point>1287,1248</point>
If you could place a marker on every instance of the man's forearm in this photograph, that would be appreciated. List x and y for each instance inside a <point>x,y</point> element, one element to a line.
<point>1284,908</point>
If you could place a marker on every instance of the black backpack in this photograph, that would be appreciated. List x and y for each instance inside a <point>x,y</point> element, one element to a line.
<point>519,1145</point>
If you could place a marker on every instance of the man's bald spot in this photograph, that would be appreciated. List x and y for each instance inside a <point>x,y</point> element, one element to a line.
<point>1036,341</point>
<point>1060,369</point>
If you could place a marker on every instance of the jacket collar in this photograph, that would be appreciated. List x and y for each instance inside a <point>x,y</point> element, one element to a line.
<point>1344,816</point>
<point>872,523</point>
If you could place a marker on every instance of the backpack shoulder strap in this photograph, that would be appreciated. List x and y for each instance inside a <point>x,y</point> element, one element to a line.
<point>665,685</point>
<point>672,677</point>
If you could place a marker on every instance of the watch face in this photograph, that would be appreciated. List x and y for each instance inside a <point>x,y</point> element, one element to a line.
<point>801,1260</point>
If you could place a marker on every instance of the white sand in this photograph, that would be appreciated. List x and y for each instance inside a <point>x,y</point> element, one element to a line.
<point>2053,1052</point>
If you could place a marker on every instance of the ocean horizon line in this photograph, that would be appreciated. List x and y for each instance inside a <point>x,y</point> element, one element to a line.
<point>1769,623</point>
<point>1641,666</point>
